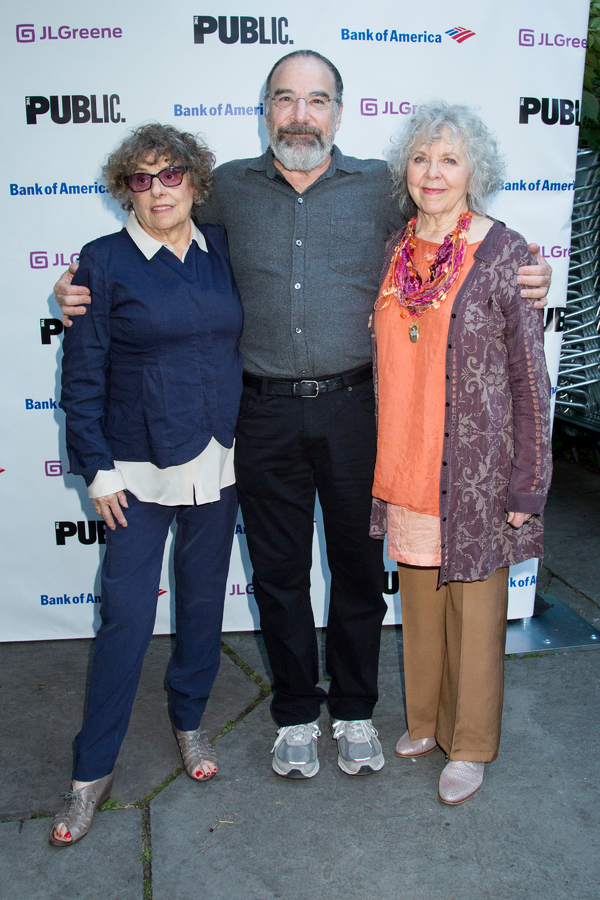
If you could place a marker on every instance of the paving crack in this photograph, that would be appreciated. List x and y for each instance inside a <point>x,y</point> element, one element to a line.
<point>243,665</point>
<point>264,691</point>
<point>571,588</point>
<point>146,856</point>
<point>143,803</point>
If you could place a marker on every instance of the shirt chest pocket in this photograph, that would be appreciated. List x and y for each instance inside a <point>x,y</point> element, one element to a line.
<point>352,246</point>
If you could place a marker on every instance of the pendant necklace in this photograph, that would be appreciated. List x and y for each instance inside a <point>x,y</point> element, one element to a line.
<point>413,296</point>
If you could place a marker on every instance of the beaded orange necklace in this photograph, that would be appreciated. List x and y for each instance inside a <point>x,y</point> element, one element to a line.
<point>406,285</point>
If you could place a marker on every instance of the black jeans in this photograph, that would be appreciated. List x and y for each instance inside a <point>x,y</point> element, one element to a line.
<point>288,449</point>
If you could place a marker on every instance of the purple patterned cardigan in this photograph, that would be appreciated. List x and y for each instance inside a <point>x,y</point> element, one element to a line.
<point>496,453</point>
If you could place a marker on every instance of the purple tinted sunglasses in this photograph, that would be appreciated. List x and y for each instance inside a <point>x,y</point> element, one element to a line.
<point>169,177</point>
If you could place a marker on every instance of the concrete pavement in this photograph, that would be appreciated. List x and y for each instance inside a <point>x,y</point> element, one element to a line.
<point>531,830</point>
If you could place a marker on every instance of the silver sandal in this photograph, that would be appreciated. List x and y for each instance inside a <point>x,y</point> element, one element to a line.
<point>79,811</point>
<point>195,749</point>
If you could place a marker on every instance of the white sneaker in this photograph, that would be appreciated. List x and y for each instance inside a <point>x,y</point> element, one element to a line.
<point>359,751</point>
<point>295,751</point>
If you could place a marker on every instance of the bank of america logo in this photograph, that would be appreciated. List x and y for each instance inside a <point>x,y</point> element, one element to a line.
<point>460,34</point>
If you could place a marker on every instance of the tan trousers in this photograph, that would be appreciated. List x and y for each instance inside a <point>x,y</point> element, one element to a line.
<point>454,639</point>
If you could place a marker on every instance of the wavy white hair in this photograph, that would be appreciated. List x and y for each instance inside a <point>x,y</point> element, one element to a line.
<point>436,120</point>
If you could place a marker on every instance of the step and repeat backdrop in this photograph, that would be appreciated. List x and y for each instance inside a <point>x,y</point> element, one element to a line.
<point>80,75</point>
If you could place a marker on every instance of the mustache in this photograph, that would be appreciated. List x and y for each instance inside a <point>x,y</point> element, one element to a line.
<point>294,128</point>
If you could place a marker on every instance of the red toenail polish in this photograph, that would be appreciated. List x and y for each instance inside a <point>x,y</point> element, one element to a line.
<point>198,774</point>
<point>67,834</point>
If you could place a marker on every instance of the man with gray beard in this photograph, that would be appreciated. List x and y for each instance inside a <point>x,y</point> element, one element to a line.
<point>307,228</point>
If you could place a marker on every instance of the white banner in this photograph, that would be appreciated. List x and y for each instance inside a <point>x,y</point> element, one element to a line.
<point>82,74</point>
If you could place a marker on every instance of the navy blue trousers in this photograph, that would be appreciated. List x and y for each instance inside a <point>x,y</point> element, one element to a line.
<point>130,583</point>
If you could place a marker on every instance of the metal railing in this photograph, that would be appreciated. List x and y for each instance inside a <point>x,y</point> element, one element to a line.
<point>578,391</point>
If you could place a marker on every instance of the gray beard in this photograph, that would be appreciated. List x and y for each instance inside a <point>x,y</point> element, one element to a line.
<point>300,157</point>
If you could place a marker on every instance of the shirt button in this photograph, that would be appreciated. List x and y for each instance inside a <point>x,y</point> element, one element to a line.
<point>449,346</point>
<point>444,492</point>
<point>444,463</point>
<point>446,434</point>
<point>297,286</point>
<point>300,200</point>
<point>447,404</point>
<point>298,243</point>
<point>453,315</point>
<point>298,331</point>
<point>444,519</point>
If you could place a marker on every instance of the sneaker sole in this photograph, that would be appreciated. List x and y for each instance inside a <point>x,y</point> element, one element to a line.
<point>365,768</point>
<point>296,773</point>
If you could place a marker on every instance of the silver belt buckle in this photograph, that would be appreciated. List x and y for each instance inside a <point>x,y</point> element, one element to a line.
<point>311,396</point>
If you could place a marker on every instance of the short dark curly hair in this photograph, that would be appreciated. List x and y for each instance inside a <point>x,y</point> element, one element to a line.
<point>152,142</point>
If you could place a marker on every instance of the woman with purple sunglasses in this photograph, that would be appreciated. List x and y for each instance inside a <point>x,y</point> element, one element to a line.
<point>151,383</point>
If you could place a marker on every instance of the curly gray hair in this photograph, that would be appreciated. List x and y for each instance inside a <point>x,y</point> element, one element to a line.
<point>148,144</point>
<point>437,120</point>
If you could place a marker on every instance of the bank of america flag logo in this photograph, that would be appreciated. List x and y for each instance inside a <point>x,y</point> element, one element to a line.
<point>460,34</point>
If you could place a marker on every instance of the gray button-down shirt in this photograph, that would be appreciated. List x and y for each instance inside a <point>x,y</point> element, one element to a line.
<point>307,265</point>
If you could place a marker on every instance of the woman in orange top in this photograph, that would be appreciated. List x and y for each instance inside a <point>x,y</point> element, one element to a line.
<point>463,462</point>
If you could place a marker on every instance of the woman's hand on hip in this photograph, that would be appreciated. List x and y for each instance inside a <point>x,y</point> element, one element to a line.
<point>110,506</point>
<point>517,519</point>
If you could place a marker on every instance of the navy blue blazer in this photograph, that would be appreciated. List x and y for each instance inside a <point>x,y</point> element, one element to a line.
<point>152,371</point>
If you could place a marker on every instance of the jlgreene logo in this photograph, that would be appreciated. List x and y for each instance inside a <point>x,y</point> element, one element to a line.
<point>38,259</point>
<point>553,111</point>
<point>77,108</point>
<point>527,38</point>
<point>370,106</point>
<point>26,33</point>
<point>245,29</point>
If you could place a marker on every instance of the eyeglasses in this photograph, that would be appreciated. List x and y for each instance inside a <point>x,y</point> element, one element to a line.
<point>170,177</point>
<point>317,104</point>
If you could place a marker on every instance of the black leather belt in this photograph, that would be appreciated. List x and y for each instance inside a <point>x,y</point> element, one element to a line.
<point>309,387</point>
